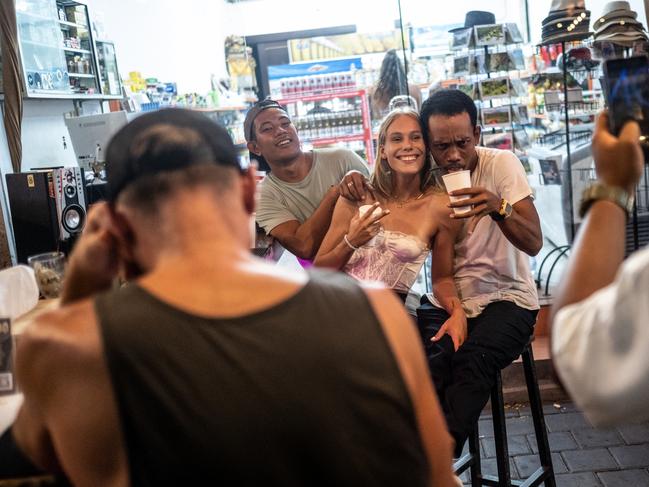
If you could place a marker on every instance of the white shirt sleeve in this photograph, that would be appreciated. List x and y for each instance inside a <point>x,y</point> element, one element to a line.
<point>600,347</point>
<point>272,209</point>
<point>511,179</point>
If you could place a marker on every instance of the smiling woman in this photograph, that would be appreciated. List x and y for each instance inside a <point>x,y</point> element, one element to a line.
<point>407,216</point>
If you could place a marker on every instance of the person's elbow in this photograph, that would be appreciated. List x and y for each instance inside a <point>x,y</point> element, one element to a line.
<point>535,247</point>
<point>304,249</point>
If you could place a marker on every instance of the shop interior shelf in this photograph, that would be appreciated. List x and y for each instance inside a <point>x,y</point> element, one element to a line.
<point>80,51</point>
<point>72,24</point>
<point>219,109</point>
<point>333,140</point>
<point>306,97</point>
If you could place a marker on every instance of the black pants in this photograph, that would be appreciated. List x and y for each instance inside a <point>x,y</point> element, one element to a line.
<point>464,379</point>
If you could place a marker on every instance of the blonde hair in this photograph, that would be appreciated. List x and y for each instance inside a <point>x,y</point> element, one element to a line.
<point>381,177</point>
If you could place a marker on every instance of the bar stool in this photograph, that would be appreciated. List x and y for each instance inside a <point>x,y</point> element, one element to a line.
<point>471,460</point>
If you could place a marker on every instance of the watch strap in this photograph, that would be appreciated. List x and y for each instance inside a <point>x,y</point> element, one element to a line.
<point>503,212</point>
<point>600,191</point>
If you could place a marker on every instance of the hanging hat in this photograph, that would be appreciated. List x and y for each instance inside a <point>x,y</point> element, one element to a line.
<point>567,5</point>
<point>568,20</point>
<point>618,24</point>
<point>618,9</point>
<point>476,17</point>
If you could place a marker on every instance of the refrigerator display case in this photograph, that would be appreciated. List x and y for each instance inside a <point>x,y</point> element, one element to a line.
<point>57,49</point>
<point>111,83</point>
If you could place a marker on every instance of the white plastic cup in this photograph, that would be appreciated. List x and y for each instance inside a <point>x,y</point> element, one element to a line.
<point>458,180</point>
<point>362,211</point>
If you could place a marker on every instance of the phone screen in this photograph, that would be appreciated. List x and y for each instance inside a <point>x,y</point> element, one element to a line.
<point>627,92</point>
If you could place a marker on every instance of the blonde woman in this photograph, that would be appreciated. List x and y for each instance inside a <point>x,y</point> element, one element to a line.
<point>388,238</point>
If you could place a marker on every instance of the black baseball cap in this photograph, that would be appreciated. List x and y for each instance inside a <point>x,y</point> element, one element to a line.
<point>254,111</point>
<point>124,165</point>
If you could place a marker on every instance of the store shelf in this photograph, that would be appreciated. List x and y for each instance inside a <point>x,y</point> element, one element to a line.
<point>69,96</point>
<point>81,75</point>
<point>72,24</point>
<point>307,97</point>
<point>72,49</point>
<point>218,109</point>
<point>333,140</point>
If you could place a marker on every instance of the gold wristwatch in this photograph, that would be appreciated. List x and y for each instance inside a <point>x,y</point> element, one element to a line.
<point>599,191</point>
<point>503,212</point>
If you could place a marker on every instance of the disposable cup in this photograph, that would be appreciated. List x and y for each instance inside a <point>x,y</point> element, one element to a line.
<point>362,211</point>
<point>458,180</point>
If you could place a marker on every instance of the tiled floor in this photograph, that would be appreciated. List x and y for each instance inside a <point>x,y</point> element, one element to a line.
<point>582,455</point>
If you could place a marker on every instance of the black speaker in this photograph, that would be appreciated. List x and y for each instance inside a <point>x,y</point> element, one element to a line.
<point>48,210</point>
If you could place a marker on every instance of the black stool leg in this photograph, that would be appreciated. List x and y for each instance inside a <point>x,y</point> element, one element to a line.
<point>474,450</point>
<point>500,433</point>
<point>536,406</point>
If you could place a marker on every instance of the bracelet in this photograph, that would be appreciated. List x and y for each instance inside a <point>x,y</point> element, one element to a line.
<point>349,244</point>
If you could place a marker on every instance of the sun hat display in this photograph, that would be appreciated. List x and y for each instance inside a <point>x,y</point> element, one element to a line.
<point>476,17</point>
<point>618,25</point>
<point>568,20</point>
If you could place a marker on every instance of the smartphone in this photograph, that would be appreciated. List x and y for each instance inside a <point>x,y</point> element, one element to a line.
<point>626,89</point>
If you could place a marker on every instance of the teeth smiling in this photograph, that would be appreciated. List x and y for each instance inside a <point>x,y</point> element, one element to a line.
<point>408,158</point>
<point>284,142</point>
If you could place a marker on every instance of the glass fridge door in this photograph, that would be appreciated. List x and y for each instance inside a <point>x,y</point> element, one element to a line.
<point>108,74</point>
<point>77,44</point>
<point>41,47</point>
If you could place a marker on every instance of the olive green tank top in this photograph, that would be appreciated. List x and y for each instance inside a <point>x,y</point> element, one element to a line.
<point>305,393</point>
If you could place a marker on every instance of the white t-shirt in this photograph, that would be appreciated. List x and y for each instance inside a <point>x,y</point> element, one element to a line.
<point>488,267</point>
<point>600,347</point>
<point>280,202</point>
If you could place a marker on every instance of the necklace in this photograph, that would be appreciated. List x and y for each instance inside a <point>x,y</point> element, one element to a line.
<point>402,203</point>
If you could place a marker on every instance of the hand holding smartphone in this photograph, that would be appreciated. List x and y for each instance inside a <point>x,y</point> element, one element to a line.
<point>627,94</point>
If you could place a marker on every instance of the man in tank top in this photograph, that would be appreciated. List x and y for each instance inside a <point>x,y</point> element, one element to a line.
<point>210,366</point>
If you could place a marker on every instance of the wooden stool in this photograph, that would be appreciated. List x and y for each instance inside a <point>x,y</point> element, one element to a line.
<point>471,460</point>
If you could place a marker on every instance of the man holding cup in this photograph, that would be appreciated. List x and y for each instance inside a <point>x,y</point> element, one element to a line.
<point>489,189</point>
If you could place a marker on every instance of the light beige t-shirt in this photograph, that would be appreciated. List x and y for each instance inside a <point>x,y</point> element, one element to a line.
<point>280,202</point>
<point>488,267</point>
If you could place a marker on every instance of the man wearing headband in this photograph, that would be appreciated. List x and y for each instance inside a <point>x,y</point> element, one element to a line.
<point>298,196</point>
<point>211,366</point>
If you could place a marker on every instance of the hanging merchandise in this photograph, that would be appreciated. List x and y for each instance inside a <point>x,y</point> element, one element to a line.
<point>241,65</point>
<point>475,17</point>
<point>618,25</point>
<point>568,20</point>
